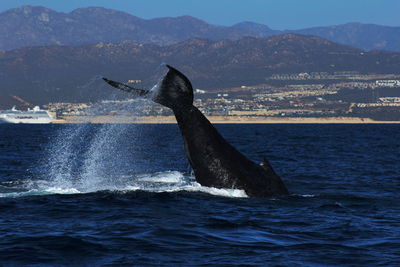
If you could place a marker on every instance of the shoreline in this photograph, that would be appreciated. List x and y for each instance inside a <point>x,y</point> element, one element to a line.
<point>222,120</point>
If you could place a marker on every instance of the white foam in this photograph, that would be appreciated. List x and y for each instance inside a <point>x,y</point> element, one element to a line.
<point>132,188</point>
<point>191,187</point>
<point>305,195</point>
<point>224,192</point>
<point>169,181</point>
<point>14,194</point>
<point>163,177</point>
<point>63,191</point>
<point>45,191</point>
<point>175,181</point>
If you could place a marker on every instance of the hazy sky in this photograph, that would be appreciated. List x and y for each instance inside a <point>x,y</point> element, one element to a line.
<point>278,14</point>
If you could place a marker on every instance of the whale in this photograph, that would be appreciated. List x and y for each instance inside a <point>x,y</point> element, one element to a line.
<point>214,161</point>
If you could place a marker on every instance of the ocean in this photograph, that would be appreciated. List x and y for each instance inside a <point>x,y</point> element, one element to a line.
<point>123,195</point>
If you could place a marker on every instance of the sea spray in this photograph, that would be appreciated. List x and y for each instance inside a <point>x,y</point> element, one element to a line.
<point>91,157</point>
<point>63,155</point>
<point>105,158</point>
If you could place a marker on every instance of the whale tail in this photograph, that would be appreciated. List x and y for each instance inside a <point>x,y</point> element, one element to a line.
<point>127,88</point>
<point>174,91</point>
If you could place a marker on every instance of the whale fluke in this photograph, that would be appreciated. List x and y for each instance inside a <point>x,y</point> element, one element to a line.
<point>126,88</point>
<point>175,90</point>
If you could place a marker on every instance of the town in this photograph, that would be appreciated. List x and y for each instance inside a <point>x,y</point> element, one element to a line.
<point>304,95</point>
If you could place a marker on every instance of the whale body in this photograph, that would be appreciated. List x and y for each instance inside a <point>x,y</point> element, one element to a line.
<point>215,162</point>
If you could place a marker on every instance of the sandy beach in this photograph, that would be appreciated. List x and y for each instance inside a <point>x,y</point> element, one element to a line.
<point>221,119</point>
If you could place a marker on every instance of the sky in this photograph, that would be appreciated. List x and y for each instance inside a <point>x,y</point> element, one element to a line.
<point>277,14</point>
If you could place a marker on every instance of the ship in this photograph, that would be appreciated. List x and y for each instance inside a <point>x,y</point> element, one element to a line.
<point>35,115</point>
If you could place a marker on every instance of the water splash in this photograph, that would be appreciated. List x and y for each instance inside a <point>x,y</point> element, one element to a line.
<point>90,157</point>
<point>91,81</point>
<point>168,181</point>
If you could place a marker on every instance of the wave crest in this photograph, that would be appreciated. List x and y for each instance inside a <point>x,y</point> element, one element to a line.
<point>169,181</point>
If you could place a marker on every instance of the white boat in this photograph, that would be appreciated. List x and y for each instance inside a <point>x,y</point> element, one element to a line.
<point>35,115</point>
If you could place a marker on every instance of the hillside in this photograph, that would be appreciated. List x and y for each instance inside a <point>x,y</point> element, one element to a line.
<point>39,26</point>
<point>363,36</point>
<point>64,73</point>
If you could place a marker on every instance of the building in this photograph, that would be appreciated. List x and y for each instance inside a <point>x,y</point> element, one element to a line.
<point>388,83</point>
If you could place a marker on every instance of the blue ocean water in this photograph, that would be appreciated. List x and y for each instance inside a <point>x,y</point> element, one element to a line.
<point>123,195</point>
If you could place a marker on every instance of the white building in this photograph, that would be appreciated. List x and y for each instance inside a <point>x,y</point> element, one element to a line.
<point>388,83</point>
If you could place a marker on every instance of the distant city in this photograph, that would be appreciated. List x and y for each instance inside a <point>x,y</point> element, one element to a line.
<point>304,95</point>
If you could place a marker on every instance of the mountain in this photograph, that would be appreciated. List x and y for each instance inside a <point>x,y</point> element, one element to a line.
<point>256,29</point>
<point>364,36</point>
<point>39,26</point>
<point>66,73</point>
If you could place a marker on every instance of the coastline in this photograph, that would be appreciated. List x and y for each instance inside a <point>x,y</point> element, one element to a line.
<point>223,119</point>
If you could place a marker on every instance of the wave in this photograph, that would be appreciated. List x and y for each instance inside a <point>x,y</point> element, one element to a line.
<point>304,195</point>
<point>169,181</point>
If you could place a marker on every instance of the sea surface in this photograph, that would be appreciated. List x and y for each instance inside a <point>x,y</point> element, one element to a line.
<point>123,195</point>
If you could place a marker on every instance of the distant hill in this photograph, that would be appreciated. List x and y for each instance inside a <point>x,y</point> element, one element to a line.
<point>363,36</point>
<point>65,73</point>
<point>257,29</point>
<point>39,26</point>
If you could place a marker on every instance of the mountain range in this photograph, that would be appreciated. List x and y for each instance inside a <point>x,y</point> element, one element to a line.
<point>72,73</point>
<point>39,26</point>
